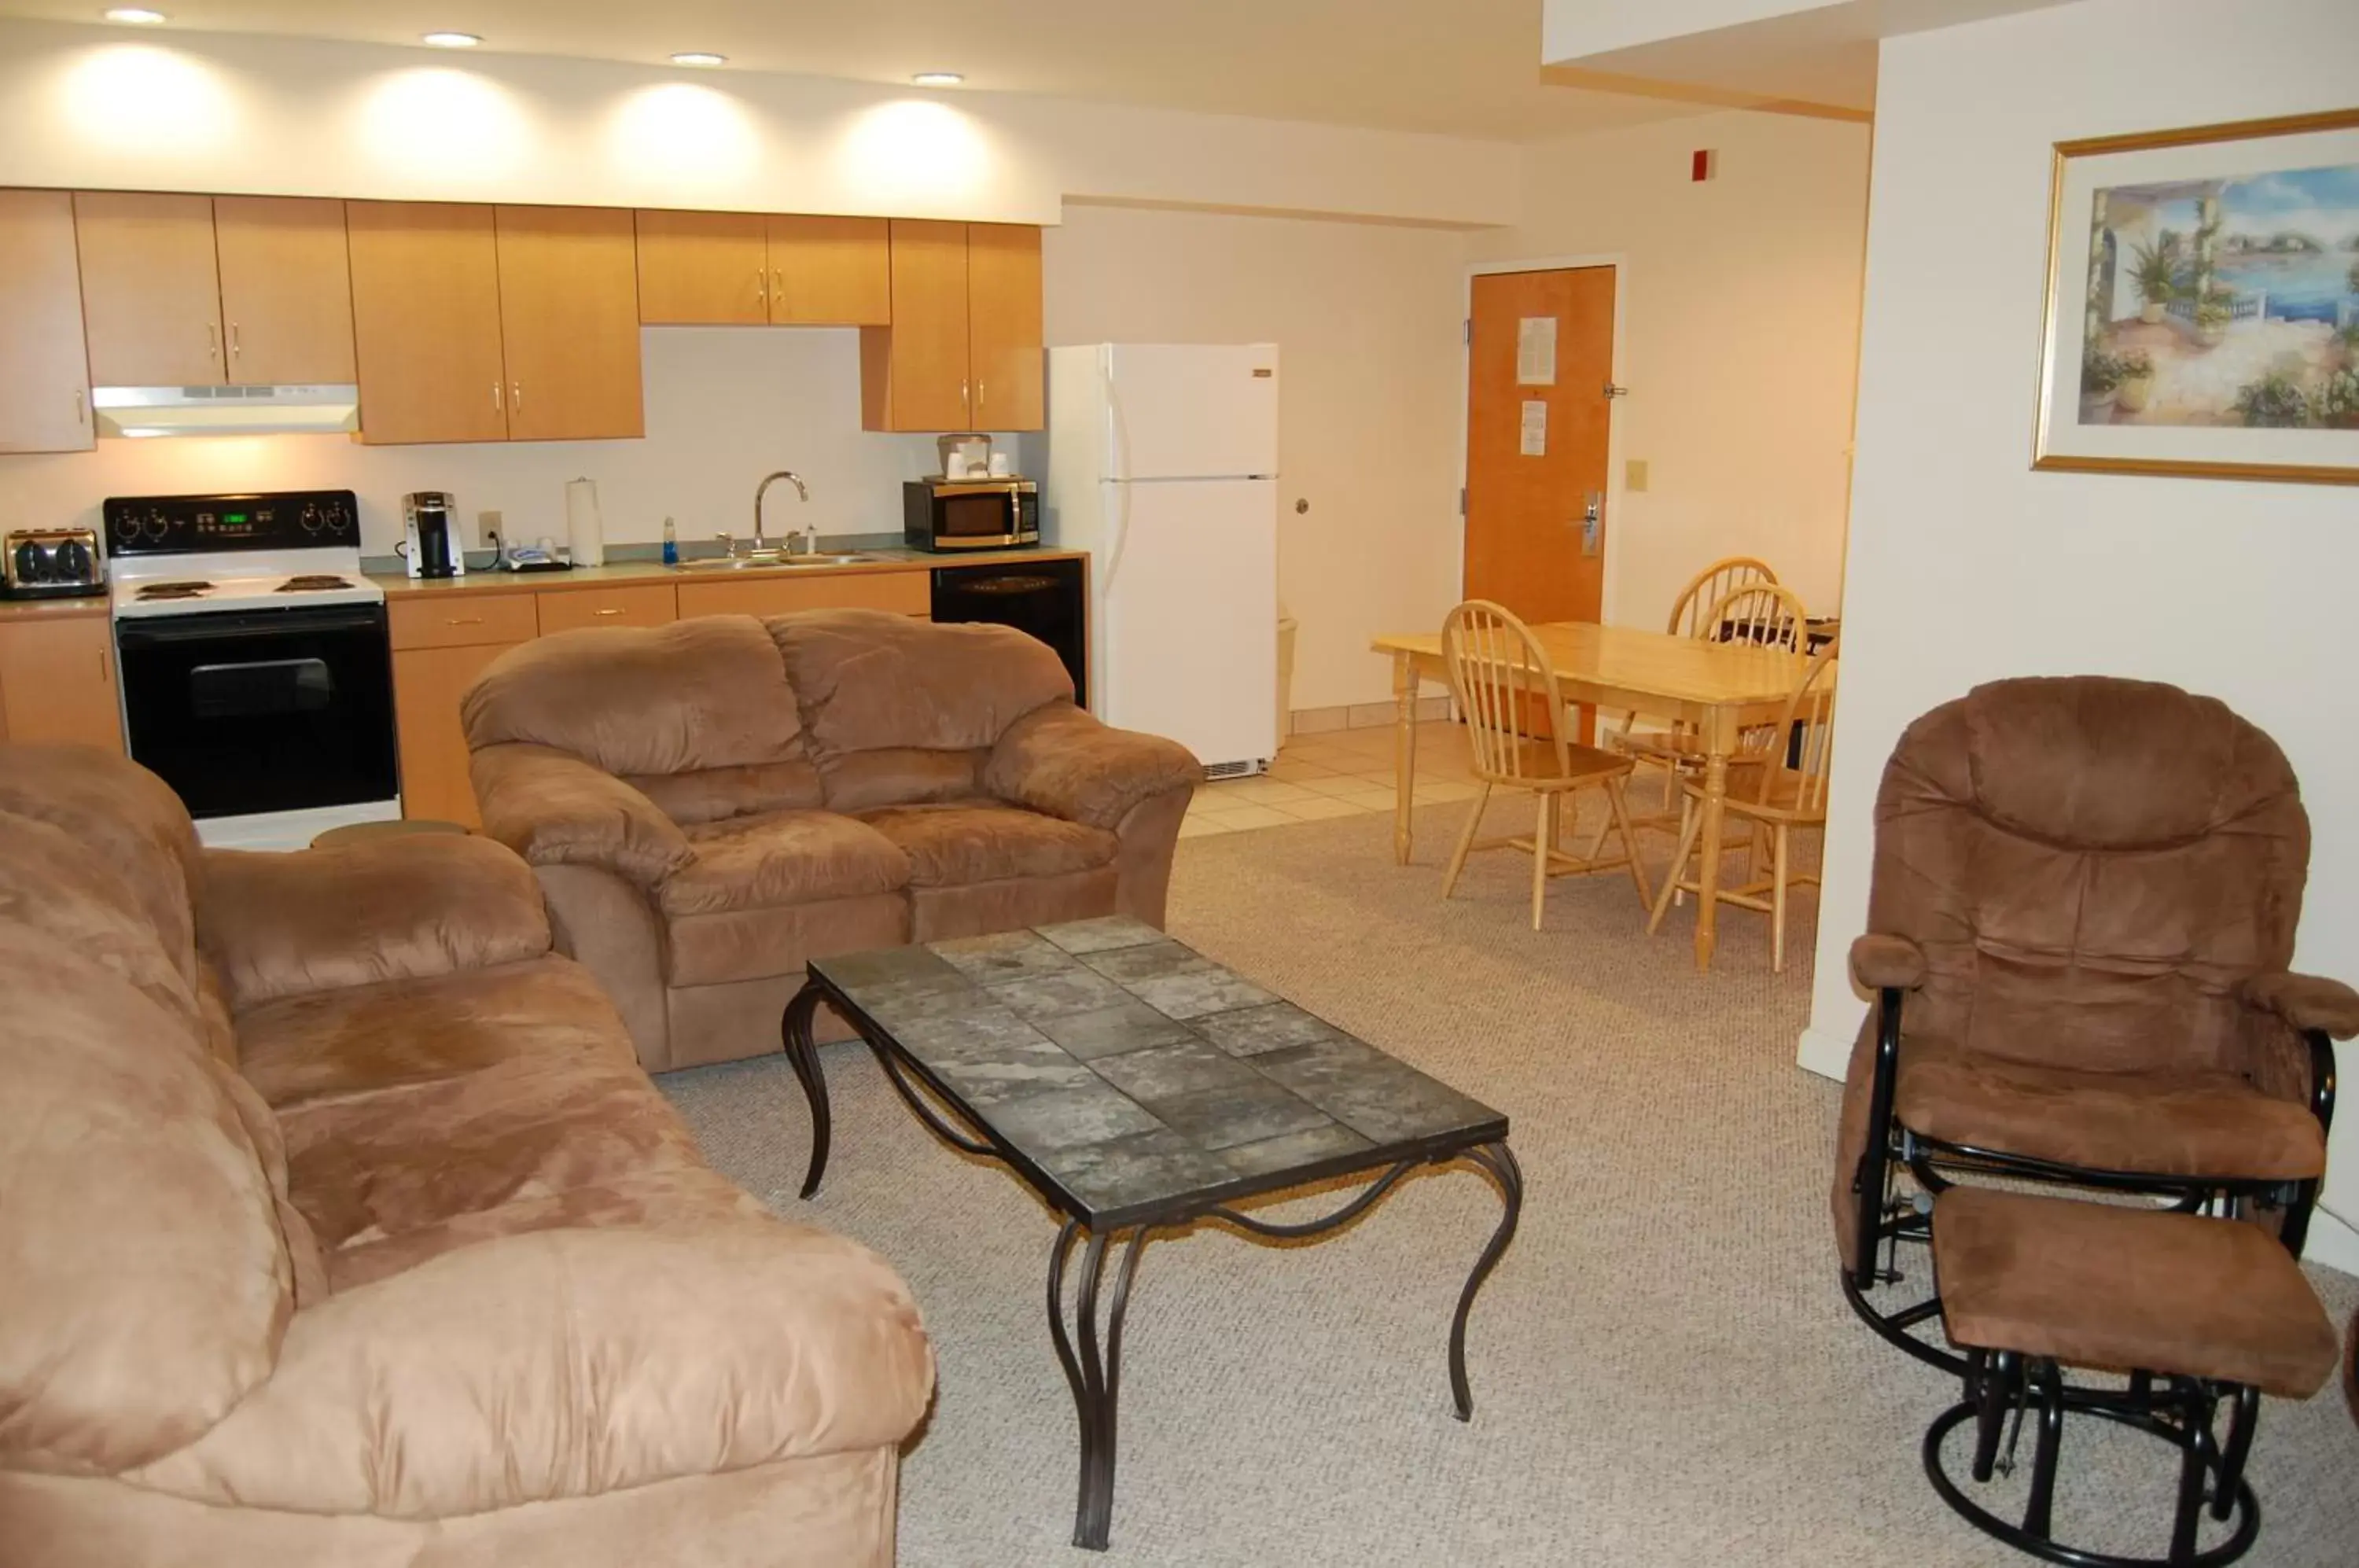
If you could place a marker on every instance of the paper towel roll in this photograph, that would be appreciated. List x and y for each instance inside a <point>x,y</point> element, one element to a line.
<point>585,529</point>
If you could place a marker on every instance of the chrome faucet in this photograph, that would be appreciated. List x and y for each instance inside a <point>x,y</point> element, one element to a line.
<point>762,489</point>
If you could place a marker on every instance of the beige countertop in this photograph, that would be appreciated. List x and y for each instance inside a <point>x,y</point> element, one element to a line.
<point>615,574</point>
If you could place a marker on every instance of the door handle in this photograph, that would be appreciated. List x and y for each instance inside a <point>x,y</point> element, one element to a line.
<point>82,407</point>
<point>1593,523</point>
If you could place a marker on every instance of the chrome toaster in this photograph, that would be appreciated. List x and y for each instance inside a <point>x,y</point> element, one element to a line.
<point>44,563</point>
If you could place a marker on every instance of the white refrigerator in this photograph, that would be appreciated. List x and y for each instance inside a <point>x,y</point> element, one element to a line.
<point>1162,464</point>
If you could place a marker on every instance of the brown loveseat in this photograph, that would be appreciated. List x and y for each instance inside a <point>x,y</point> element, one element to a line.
<point>339,1226</point>
<point>711,803</point>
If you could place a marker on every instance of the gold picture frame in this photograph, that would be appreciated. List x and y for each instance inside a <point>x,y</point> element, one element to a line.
<point>2243,345</point>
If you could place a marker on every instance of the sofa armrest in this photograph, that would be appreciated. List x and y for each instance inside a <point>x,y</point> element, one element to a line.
<point>567,1363</point>
<point>1059,759</point>
<point>2306,1001</point>
<point>557,810</point>
<point>1887,963</point>
<point>388,909</point>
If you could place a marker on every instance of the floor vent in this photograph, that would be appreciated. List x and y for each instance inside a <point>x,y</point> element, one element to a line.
<point>1233,769</point>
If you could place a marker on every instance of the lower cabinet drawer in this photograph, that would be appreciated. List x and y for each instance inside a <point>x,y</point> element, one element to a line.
<point>640,604</point>
<point>461,620</point>
<point>903,592</point>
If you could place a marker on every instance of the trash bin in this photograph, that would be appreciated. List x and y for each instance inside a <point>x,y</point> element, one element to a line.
<point>1284,673</point>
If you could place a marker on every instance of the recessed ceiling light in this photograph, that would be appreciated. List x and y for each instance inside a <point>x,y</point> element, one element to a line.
<point>451,40</point>
<point>938,78</point>
<point>699,57</point>
<point>137,16</point>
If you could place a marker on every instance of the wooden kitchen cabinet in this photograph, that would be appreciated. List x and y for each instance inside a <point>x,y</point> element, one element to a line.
<point>286,290</point>
<point>631,604</point>
<point>426,322</point>
<point>45,392</point>
<point>570,322</point>
<point>830,271</point>
<point>57,682</point>
<point>427,685</point>
<point>914,375</point>
<point>963,351</point>
<point>908,593</point>
<point>1004,327</point>
<point>151,294</point>
<point>703,270</point>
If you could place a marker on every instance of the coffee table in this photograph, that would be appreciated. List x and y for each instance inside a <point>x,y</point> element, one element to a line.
<point>1136,1085</point>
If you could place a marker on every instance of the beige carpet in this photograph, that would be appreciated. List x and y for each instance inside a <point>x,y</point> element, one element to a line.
<point>1664,1370</point>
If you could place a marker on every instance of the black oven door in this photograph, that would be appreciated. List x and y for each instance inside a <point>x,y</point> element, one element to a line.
<point>247,711</point>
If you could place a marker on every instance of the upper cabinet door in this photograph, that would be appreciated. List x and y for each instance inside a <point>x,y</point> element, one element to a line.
<point>45,393</point>
<point>702,268</point>
<point>913,374</point>
<point>831,272</point>
<point>1003,287</point>
<point>426,322</point>
<point>286,289</point>
<point>570,309</point>
<point>151,300</point>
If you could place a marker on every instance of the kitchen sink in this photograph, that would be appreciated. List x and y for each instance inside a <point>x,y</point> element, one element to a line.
<point>769,563</point>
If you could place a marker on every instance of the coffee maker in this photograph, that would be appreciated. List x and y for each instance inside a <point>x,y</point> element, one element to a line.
<point>430,535</point>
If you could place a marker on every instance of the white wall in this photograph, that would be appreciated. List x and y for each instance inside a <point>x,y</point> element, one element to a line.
<point>1740,317</point>
<point>111,107</point>
<point>1965,565</point>
<point>1366,319</point>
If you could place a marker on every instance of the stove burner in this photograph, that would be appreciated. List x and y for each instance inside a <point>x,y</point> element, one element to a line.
<point>314,582</point>
<point>174,590</point>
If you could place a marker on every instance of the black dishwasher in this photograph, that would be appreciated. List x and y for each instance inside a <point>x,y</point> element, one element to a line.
<point>1046,598</point>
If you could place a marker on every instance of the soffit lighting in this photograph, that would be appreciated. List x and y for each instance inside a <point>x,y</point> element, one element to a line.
<point>136,15</point>
<point>699,57</point>
<point>451,40</point>
<point>938,78</point>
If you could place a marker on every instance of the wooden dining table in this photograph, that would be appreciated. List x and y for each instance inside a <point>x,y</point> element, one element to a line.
<point>1718,689</point>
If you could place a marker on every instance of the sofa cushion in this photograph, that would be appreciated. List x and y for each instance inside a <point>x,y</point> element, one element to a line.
<point>781,857</point>
<point>387,909</point>
<point>143,1283</point>
<point>730,945</point>
<point>705,693</point>
<point>868,680</point>
<point>860,781</point>
<point>714,794</point>
<point>983,841</point>
<point>124,816</point>
<point>51,881</point>
<point>332,1044</point>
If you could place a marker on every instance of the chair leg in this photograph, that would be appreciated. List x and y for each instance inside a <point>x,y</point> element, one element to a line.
<point>1543,835</point>
<point>1620,806</point>
<point>1691,827</point>
<point>1686,816</point>
<point>1466,839</point>
<point>1777,899</point>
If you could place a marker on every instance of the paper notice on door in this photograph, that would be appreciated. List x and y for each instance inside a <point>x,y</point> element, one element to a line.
<point>1535,438</point>
<point>1536,350</point>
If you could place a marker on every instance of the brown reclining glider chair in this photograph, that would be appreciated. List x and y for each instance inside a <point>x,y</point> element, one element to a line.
<point>2083,908</point>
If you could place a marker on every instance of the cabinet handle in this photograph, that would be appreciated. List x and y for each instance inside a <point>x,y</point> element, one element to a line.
<point>778,286</point>
<point>463,621</point>
<point>966,400</point>
<point>82,407</point>
<point>979,392</point>
<point>495,396</point>
<point>235,345</point>
<point>516,396</point>
<point>610,612</point>
<point>761,286</point>
<point>212,341</point>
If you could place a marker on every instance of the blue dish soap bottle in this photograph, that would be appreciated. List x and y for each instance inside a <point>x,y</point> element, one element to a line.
<point>671,544</point>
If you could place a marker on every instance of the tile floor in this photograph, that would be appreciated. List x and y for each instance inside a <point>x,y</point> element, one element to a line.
<point>1335,773</point>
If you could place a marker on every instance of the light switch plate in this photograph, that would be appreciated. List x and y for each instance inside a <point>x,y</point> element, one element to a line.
<point>1634,475</point>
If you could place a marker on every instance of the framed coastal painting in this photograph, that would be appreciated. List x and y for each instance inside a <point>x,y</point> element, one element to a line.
<point>2203,303</point>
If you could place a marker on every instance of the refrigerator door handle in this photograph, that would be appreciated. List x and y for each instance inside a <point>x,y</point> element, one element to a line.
<point>1122,458</point>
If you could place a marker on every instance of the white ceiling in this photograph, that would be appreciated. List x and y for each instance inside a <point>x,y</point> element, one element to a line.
<point>1463,67</point>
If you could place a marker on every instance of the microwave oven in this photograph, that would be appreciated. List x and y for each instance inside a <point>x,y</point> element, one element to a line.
<point>970,514</point>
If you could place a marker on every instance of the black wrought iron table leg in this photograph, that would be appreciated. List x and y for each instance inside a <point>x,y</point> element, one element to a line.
<point>1092,1363</point>
<point>802,1051</point>
<point>1495,1158</point>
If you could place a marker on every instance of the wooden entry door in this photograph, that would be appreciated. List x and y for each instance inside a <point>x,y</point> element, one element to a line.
<point>1525,508</point>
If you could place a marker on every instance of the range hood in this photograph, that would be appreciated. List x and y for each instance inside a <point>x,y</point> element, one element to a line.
<point>225,410</point>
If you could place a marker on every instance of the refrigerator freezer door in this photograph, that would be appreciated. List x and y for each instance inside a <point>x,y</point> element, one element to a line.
<point>1191,410</point>
<point>1187,618</point>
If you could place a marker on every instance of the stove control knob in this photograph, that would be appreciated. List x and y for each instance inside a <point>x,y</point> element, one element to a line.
<point>157,524</point>
<point>312,521</point>
<point>340,517</point>
<point>126,527</point>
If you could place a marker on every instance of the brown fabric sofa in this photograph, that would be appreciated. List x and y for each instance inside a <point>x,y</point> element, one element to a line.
<point>711,803</point>
<point>340,1226</point>
<point>2087,889</point>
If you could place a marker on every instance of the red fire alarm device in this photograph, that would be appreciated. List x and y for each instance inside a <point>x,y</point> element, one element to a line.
<point>1703,165</point>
